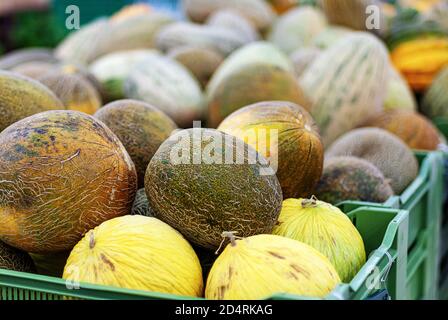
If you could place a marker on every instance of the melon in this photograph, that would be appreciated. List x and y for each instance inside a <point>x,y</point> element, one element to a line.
<point>50,264</point>
<point>330,36</point>
<point>232,20</point>
<point>34,69</point>
<point>111,70</point>
<point>167,85</point>
<point>352,179</point>
<point>347,84</point>
<point>399,94</point>
<point>260,266</point>
<point>384,150</point>
<point>63,173</point>
<point>15,260</point>
<point>131,11</point>
<point>435,100</point>
<point>414,129</point>
<point>75,92</point>
<point>139,253</point>
<point>141,205</point>
<point>201,62</point>
<point>22,97</point>
<point>140,127</point>
<point>258,12</point>
<point>220,39</point>
<point>326,229</point>
<point>224,185</point>
<point>303,58</point>
<point>297,28</point>
<point>18,57</point>
<point>287,136</point>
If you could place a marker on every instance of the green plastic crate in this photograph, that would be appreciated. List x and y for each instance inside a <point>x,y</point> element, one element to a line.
<point>385,234</point>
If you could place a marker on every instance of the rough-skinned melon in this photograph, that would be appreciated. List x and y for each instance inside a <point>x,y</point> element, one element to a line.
<point>15,260</point>
<point>259,266</point>
<point>352,179</point>
<point>220,39</point>
<point>435,100</point>
<point>22,97</point>
<point>224,185</point>
<point>297,28</point>
<point>258,11</point>
<point>347,84</point>
<point>63,173</point>
<point>414,129</point>
<point>169,86</point>
<point>287,136</point>
<point>201,62</point>
<point>139,253</point>
<point>384,150</point>
<point>140,127</point>
<point>141,205</point>
<point>232,20</point>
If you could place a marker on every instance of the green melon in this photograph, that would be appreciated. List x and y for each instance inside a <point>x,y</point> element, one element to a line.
<point>22,97</point>
<point>354,179</point>
<point>435,101</point>
<point>384,150</point>
<point>140,127</point>
<point>15,260</point>
<point>203,182</point>
<point>141,205</point>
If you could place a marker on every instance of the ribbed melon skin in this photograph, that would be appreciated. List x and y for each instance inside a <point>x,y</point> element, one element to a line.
<point>435,102</point>
<point>347,84</point>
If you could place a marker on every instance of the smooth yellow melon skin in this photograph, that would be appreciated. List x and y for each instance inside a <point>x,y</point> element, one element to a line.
<point>327,229</point>
<point>136,252</point>
<point>259,266</point>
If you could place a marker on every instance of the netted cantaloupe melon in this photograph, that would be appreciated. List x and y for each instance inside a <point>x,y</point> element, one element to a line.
<point>414,129</point>
<point>201,62</point>
<point>232,20</point>
<point>22,97</point>
<point>139,253</point>
<point>259,266</point>
<point>140,127</point>
<point>258,11</point>
<point>169,86</point>
<point>347,84</point>
<point>180,34</point>
<point>63,173</point>
<point>203,182</point>
<point>15,260</point>
<point>297,28</point>
<point>352,179</point>
<point>75,92</point>
<point>384,150</point>
<point>325,228</point>
<point>141,205</point>
<point>287,136</point>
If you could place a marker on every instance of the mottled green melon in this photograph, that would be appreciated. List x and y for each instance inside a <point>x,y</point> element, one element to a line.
<point>141,204</point>
<point>346,84</point>
<point>399,94</point>
<point>63,173</point>
<point>140,127</point>
<point>15,260</point>
<point>297,28</point>
<point>21,97</point>
<point>384,150</point>
<point>201,62</point>
<point>18,57</point>
<point>303,58</point>
<point>220,39</point>
<point>354,179</point>
<point>203,182</point>
<point>435,101</point>
<point>232,20</point>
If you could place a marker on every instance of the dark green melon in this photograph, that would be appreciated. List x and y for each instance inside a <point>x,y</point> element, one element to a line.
<point>190,189</point>
<point>14,259</point>
<point>350,178</point>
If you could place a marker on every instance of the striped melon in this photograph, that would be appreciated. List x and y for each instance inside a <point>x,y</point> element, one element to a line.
<point>330,36</point>
<point>399,94</point>
<point>220,39</point>
<point>258,11</point>
<point>233,20</point>
<point>168,85</point>
<point>435,101</point>
<point>347,84</point>
<point>297,28</point>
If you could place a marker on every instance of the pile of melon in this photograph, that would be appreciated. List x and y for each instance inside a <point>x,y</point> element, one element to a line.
<point>207,157</point>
